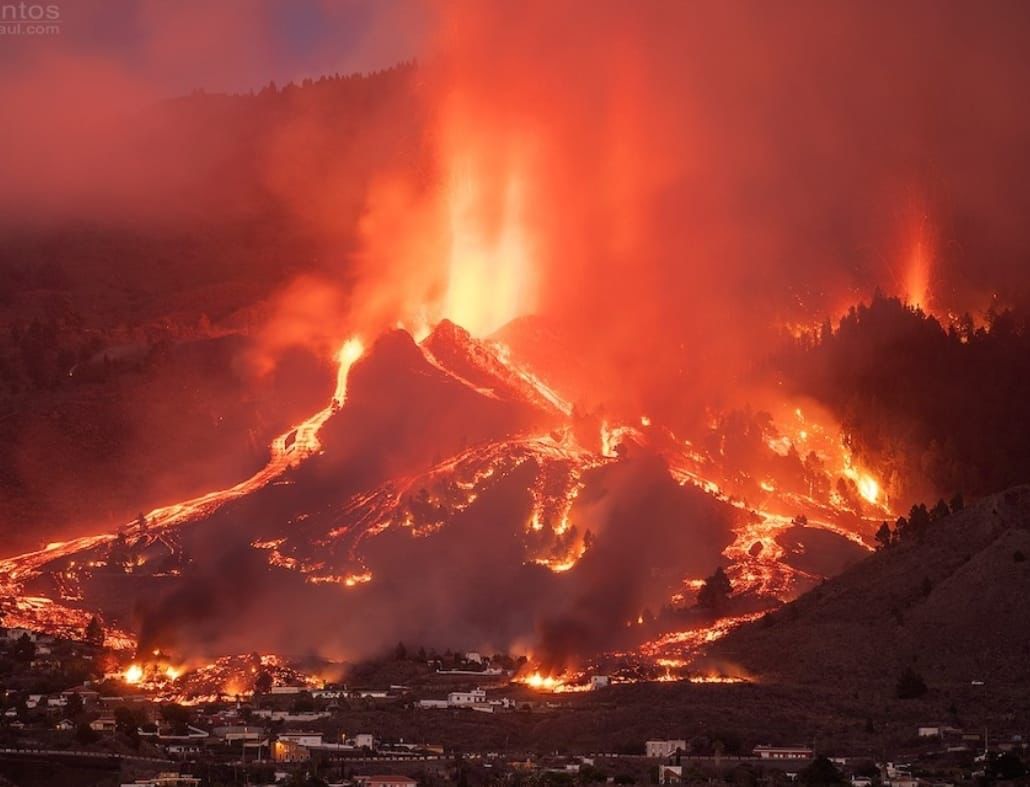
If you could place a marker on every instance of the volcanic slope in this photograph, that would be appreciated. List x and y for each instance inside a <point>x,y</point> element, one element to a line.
<point>445,499</point>
<point>951,605</point>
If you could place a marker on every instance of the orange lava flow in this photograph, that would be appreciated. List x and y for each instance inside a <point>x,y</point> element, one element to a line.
<point>286,450</point>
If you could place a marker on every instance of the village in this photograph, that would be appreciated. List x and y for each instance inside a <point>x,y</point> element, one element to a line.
<point>398,735</point>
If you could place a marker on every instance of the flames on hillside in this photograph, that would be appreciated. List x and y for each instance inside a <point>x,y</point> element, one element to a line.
<point>482,247</point>
<point>842,497</point>
<point>795,470</point>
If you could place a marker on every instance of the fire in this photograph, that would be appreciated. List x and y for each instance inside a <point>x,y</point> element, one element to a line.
<point>133,675</point>
<point>352,580</point>
<point>717,679</point>
<point>917,276</point>
<point>538,681</point>
<point>489,275</point>
<point>556,685</point>
<point>869,488</point>
<point>350,352</point>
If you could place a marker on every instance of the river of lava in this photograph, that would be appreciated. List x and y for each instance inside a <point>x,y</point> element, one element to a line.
<point>286,450</point>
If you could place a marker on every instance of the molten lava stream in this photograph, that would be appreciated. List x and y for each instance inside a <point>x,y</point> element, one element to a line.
<point>286,450</point>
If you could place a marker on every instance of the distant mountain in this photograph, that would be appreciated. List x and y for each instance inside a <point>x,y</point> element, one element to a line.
<point>952,605</point>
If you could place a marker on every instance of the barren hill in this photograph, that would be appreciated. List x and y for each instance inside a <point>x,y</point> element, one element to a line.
<point>952,605</point>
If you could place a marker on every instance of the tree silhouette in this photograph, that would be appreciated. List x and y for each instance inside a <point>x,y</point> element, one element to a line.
<point>910,685</point>
<point>94,632</point>
<point>883,536</point>
<point>715,591</point>
<point>24,648</point>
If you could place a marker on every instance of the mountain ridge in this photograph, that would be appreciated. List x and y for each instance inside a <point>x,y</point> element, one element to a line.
<point>948,605</point>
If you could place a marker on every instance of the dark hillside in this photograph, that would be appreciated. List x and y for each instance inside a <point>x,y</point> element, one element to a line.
<point>953,606</point>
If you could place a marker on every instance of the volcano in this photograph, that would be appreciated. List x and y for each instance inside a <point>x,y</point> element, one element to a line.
<point>449,496</point>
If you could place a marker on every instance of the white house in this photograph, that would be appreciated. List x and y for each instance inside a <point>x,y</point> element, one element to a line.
<point>461,699</point>
<point>165,779</point>
<point>102,724</point>
<point>433,704</point>
<point>16,633</point>
<point>365,739</point>
<point>296,717</point>
<point>664,748</point>
<point>600,681</point>
<point>784,752</point>
<point>302,738</point>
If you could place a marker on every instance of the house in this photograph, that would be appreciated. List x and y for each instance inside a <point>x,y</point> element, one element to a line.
<point>462,699</point>
<point>896,770</point>
<point>294,717</point>
<point>232,734</point>
<point>168,734</point>
<point>287,750</point>
<point>65,725</point>
<point>474,657</point>
<point>87,695</point>
<point>600,681</point>
<point>102,724</point>
<point>433,704</point>
<point>372,694</point>
<point>302,737</point>
<point>328,694</point>
<point>386,781</point>
<point>365,740</point>
<point>784,752</point>
<point>288,689</point>
<point>664,748</point>
<point>183,749</point>
<point>15,634</point>
<point>165,779</point>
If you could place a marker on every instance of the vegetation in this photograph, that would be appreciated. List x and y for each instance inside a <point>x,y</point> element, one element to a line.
<point>910,685</point>
<point>930,403</point>
<point>715,591</point>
